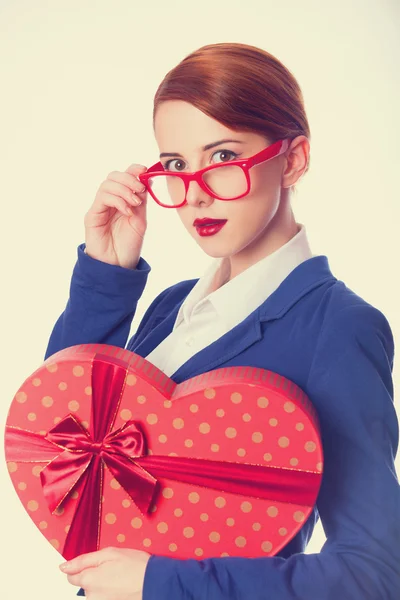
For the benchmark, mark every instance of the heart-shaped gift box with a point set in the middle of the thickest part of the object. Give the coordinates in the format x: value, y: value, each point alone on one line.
x: 104, y: 449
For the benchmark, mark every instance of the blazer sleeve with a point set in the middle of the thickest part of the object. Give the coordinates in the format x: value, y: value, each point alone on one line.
x: 350, y: 383
x: 102, y: 303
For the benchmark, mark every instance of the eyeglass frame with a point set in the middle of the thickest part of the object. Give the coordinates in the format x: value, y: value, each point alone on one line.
x: 271, y: 151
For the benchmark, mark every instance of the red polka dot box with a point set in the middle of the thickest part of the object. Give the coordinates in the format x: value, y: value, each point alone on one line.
x: 104, y: 449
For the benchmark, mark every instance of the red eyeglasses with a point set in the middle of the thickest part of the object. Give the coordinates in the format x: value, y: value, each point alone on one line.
x: 224, y: 181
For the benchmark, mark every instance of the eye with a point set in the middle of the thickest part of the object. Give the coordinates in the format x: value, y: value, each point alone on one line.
x: 181, y: 162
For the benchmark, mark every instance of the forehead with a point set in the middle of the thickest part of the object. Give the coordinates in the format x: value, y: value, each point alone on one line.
x: 179, y: 125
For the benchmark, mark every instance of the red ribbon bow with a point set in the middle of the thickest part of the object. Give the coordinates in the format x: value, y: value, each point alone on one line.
x: 74, y: 454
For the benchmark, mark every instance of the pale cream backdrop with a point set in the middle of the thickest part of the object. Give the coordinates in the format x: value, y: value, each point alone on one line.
x: 77, y: 84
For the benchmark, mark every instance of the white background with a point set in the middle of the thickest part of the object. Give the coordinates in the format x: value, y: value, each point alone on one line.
x: 77, y: 86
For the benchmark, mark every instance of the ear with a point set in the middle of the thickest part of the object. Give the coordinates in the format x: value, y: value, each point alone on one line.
x: 297, y: 161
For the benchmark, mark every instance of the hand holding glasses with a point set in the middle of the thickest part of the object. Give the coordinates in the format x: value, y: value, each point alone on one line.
x: 224, y: 181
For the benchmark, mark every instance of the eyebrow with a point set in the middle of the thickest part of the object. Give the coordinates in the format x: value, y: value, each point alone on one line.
x: 206, y: 147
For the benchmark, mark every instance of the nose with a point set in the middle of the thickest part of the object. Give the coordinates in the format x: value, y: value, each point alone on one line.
x: 195, y: 196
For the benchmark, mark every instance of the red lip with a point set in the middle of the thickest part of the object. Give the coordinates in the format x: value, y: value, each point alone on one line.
x: 206, y: 221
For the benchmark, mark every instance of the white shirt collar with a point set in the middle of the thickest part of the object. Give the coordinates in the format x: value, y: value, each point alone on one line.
x: 234, y: 300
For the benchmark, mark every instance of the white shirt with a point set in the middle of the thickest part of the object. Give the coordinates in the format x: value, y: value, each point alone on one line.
x: 214, y: 305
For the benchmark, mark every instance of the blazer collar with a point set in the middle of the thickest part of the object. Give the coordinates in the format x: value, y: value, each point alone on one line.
x: 307, y: 276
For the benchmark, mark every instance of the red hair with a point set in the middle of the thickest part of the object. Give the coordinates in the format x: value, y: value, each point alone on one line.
x: 243, y: 87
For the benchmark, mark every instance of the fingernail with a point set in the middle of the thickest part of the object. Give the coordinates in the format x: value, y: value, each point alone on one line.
x: 64, y: 566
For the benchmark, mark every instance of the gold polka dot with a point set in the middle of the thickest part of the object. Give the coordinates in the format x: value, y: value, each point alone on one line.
x: 168, y: 492
x: 263, y: 402
x: 55, y: 543
x: 126, y: 503
x: 209, y: 393
x: 167, y: 403
x: 257, y: 437
x: 199, y: 552
x: 12, y: 467
x: 136, y: 523
x: 32, y: 416
x: 214, y: 448
x: 36, y: 470
x: 59, y: 511
x: 21, y: 397
x: 266, y: 546
x: 188, y: 532
x: 236, y: 398
x: 240, y: 541
x: 146, y: 542
x: 283, y: 442
x: 36, y: 382
x: 299, y: 516
x: 162, y: 527
x: 204, y: 517
x: 224, y: 554
x: 267, y: 457
x: 273, y: 422
x: 214, y: 537
x: 299, y: 426
x: 153, y: 509
x: 310, y: 446
x: 194, y: 497
x: 141, y: 399
x: 173, y: 547
x: 85, y: 424
x: 88, y: 390
x: 125, y: 414
x: 220, y: 412
x: 56, y: 420
x: 78, y: 371
x: 32, y: 505
x: 220, y: 502
x: 152, y: 419
x: 73, y: 405
x: 67, y: 528
x: 52, y: 367
x: 204, y: 428
x: 289, y: 407
x: 42, y: 432
x: 294, y: 461
x: 169, y: 453
x: 162, y: 438
x: 62, y: 386
x: 246, y: 417
x: 230, y: 432
x: 282, y: 531
x: 319, y: 466
x: 230, y: 522
x: 47, y: 401
x: 246, y: 507
x: 178, y: 512
x: 22, y: 485
x: 256, y: 526
x: 272, y: 511
x: 120, y: 538
x: 110, y: 518
x: 74, y: 495
x: 178, y: 423
x: 103, y: 498
x: 115, y: 484
x: 131, y: 379
x: 241, y: 452
x: 193, y: 408
x: 188, y: 443
x: 43, y: 525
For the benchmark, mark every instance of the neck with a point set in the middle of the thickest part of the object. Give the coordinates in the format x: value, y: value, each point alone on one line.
x: 280, y: 230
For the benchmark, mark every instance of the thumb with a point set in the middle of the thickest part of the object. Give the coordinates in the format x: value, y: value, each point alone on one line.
x: 91, y: 559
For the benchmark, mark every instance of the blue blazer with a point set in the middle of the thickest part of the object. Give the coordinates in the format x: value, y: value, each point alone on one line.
x: 339, y: 349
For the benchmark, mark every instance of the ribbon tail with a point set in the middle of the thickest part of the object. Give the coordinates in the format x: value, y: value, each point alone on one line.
x: 61, y: 475
x: 138, y: 482
x: 84, y: 533
x: 22, y: 445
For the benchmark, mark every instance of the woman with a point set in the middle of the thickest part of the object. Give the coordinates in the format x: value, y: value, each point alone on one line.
x: 266, y: 302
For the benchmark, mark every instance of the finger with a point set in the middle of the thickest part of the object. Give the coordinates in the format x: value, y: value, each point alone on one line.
x: 111, y: 201
x: 128, y: 180
x: 118, y: 189
x: 84, y: 579
x: 83, y: 561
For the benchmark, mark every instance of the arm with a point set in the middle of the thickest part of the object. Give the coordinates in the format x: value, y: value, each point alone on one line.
x: 102, y: 303
x: 359, y: 502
